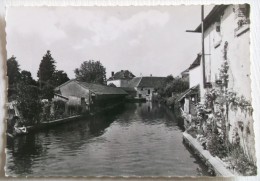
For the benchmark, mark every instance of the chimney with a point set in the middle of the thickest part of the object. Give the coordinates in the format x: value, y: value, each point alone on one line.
x: 112, y: 73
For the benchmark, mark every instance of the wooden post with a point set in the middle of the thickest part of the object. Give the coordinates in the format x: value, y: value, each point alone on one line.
x: 202, y: 45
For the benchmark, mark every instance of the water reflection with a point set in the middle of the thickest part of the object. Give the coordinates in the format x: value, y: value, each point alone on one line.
x: 135, y: 139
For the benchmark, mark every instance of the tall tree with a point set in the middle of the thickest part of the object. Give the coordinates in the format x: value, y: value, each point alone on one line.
x: 47, y: 68
x: 13, y: 71
x: 91, y: 71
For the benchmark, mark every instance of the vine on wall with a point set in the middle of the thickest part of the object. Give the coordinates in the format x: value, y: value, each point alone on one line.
x: 211, y: 125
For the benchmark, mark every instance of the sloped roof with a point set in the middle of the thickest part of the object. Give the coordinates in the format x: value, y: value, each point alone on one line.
x: 97, y: 88
x: 190, y: 91
x: 102, y: 89
x: 123, y: 74
x: 212, y: 17
x: 146, y: 81
x: 196, y: 62
x: 151, y: 81
x: 185, y: 71
x: 129, y: 89
x: 134, y: 82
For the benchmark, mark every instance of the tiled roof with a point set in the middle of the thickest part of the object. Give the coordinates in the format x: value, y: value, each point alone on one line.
x: 134, y: 82
x: 102, y: 89
x: 146, y: 81
x: 196, y: 62
x: 129, y: 89
x: 151, y: 81
x: 123, y: 74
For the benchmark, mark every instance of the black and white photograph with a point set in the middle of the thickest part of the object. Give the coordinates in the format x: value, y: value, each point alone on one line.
x: 129, y: 91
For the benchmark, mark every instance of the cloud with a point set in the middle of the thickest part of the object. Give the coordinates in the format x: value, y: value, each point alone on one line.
x: 147, y: 40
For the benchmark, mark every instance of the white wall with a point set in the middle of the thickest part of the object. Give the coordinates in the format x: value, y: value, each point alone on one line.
x: 115, y: 82
x: 144, y: 93
x: 238, y: 55
x: 196, y: 78
x: 118, y: 83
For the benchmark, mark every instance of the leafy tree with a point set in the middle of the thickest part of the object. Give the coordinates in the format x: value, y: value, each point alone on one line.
x: 169, y: 79
x: 26, y: 77
x: 176, y: 86
x: 91, y: 71
x: 47, y: 68
x: 172, y: 86
x: 13, y: 71
x: 28, y: 103
x: 59, y: 77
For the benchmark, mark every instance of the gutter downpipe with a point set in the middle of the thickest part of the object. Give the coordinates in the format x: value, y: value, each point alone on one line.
x: 202, y: 42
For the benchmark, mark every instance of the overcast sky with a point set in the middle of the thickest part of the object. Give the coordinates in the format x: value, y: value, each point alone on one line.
x: 144, y: 40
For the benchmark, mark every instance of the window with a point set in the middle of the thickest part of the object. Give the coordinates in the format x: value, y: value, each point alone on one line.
x: 148, y: 91
x: 242, y: 13
x: 217, y: 38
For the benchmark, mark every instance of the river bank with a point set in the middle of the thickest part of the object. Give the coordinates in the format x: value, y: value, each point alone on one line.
x: 215, y: 165
x: 139, y: 139
x: 52, y: 123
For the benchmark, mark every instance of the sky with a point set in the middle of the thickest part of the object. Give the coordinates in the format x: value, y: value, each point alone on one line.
x: 144, y: 40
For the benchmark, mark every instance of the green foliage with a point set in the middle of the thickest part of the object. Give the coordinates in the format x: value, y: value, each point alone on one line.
x: 59, y: 77
x: 216, y: 145
x: 91, y: 71
x: 59, y: 107
x: 240, y: 162
x: 47, y: 68
x: 49, y: 77
x: 13, y: 71
x: 172, y: 86
x: 28, y: 103
x: 26, y: 77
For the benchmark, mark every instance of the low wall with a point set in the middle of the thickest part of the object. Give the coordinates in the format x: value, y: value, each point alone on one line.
x: 51, y: 123
x: 217, y: 165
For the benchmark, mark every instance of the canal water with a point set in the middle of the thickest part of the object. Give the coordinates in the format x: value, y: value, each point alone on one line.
x: 139, y: 139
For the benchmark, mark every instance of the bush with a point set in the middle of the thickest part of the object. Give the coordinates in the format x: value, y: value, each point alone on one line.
x: 216, y: 145
x: 59, y: 108
x: 240, y: 162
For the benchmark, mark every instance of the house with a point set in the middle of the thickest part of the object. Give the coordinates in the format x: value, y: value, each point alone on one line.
x: 226, y: 38
x: 93, y: 96
x: 185, y: 75
x: 187, y: 101
x: 121, y: 78
x: 191, y: 97
x: 146, y: 86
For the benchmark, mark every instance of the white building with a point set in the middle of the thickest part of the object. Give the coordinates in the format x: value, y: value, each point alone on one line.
x: 227, y: 36
x: 120, y: 79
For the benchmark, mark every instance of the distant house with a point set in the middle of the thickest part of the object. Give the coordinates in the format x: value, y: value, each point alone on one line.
x: 92, y: 95
x: 121, y: 78
x: 191, y: 97
x: 145, y: 86
x: 185, y: 75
